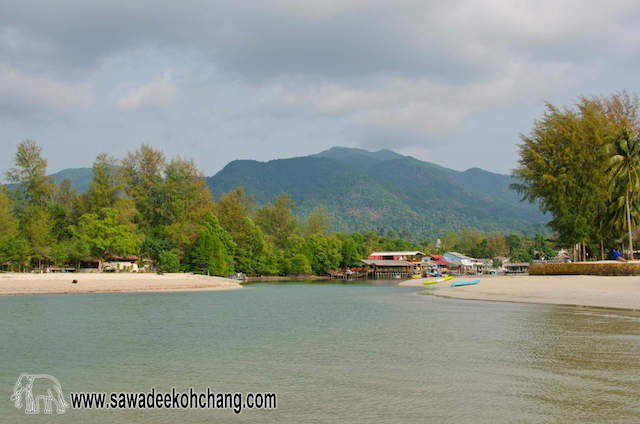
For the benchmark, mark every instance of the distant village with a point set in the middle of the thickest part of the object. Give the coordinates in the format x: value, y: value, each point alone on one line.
x: 416, y: 264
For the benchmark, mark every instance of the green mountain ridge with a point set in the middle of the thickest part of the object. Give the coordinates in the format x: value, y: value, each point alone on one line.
x: 384, y: 191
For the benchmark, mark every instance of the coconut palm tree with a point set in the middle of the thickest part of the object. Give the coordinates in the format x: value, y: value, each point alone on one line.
x: 624, y: 170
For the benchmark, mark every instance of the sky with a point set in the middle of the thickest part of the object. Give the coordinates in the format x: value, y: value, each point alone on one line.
x: 453, y: 82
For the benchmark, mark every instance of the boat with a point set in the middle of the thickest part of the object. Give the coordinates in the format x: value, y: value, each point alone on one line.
x: 465, y: 283
x: 396, y: 276
x: 439, y: 280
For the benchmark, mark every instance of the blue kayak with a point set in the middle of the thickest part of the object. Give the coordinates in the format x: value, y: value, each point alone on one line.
x: 465, y: 283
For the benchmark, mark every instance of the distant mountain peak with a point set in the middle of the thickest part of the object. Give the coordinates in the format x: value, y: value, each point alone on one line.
x: 348, y: 153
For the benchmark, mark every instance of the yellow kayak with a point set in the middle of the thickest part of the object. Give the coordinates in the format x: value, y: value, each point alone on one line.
x: 439, y: 280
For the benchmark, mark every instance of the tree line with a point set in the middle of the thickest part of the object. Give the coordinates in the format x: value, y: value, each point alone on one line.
x: 146, y: 206
x: 581, y: 164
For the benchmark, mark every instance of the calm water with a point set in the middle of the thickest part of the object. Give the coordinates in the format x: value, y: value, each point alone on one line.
x: 331, y: 352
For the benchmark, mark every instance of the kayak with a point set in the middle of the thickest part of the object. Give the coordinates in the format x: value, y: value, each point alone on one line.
x: 439, y: 280
x: 465, y: 283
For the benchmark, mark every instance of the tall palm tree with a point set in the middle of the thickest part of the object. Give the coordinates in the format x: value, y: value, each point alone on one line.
x: 624, y: 170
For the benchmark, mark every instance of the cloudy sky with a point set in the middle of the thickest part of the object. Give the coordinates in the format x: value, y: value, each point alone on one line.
x: 452, y: 82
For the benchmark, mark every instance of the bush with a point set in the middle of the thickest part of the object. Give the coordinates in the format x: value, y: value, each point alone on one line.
x: 604, y: 269
x: 168, y: 261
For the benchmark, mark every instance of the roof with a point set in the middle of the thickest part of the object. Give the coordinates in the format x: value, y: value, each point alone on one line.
x: 517, y: 264
x: 459, y: 255
x: 442, y: 262
x: 413, y: 253
x: 437, y: 256
x: 385, y: 262
x: 635, y: 235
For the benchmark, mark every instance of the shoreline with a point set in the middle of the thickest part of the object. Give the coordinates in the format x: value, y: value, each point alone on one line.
x: 566, y: 290
x: 17, y: 284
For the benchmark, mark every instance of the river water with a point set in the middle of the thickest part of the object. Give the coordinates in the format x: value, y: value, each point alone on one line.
x: 332, y: 353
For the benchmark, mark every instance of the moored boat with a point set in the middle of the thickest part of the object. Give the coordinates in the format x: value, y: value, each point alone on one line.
x: 465, y: 283
x: 439, y: 280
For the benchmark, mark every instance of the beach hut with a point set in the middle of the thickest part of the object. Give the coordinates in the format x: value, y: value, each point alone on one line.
x: 388, y: 269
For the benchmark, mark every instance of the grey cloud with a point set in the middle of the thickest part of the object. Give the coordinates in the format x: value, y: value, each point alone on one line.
x: 285, y: 76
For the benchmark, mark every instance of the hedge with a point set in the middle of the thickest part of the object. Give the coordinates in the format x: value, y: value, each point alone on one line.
x: 585, y: 268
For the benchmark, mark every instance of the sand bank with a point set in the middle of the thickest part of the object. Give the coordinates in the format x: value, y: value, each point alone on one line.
x: 16, y: 284
x: 579, y: 290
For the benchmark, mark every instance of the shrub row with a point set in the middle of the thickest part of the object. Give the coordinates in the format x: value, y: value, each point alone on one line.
x: 614, y: 268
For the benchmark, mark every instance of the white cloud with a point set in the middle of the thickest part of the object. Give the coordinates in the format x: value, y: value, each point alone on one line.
x: 155, y: 94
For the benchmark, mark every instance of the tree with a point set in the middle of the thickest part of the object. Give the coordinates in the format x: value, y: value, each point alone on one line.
x: 101, y: 232
x: 32, y: 185
x: 496, y: 245
x: 350, y: 256
x: 471, y: 238
x: 228, y: 245
x: 105, y: 187
x: 277, y: 220
x: 59, y: 253
x: 323, y: 253
x: 185, y: 196
x: 232, y: 209
x: 624, y: 171
x: 65, y: 195
x: 317, y: 223
x: 449, y: 242
x: 168, y: 261
x: 562, y: 165
x: 38, y: 230
x: 142, y: 173
x: 8, y: 223
x: 299, y: 264
x: 205, y: 256
x: 14, y: 251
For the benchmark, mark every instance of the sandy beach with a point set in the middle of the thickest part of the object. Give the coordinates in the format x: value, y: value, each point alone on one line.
x: 578, y: 290
x: 19, y: 284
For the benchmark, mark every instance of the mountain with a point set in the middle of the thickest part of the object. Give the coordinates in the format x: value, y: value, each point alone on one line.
x: 79, y: 177
x: 387, y: 192
x: 384, y: 191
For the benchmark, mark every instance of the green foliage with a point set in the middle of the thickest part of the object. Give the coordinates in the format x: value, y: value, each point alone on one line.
x: 32, y: 185
x: 205, y: 255
x: 105, y: 187
x: 228, y: 245
x: 168, y: 261
x: 450, y: 242
x: 37, y: 228
x: 299, y: 264
x: 232, y: 209
x: 563, y: 165
x: 142, y: 172
x: 350, y: 255
x: 317, y: 222
x: 185, y: 195
x: 165, y: 211
x: 624, y: 169
x: 8, y: 223
x: 59, y: 253
x: 101, y: 232
x: 14, y: 252
x: 156, y: 242
x: 392, y: 195
x: 323, y: 253
x: 542, y: 249
x: 277, y: 220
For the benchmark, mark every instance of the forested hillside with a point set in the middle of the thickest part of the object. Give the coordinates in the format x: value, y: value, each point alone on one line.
x: 386, y: 192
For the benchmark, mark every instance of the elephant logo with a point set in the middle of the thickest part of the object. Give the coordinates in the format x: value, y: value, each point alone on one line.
x: 36, y: 387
